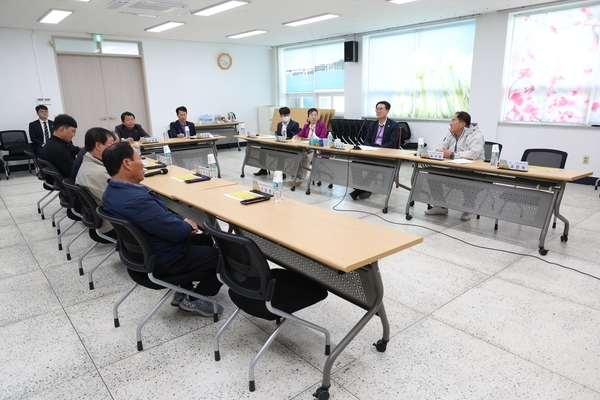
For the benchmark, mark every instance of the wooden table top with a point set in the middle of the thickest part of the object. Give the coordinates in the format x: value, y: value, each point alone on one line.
x: 181, y: 141
x: 553, y: 174
x: 169, y: 187
x: 219, y: 124
x: 345, y: 243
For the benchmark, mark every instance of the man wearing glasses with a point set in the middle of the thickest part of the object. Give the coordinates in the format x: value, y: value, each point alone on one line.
x: 40, y: 130
x: 381, y: 133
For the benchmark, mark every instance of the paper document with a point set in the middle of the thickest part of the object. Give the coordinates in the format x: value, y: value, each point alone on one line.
x: 183, y: 178
x: 243, y: 195
x: 460, y: 161
x: 368, y: 148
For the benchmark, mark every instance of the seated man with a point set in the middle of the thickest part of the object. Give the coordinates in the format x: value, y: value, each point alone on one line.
x: 173, y: 239
x: 40, y: 130
x: 129, y: 130
x: 381, y: 133
x: 291, y: 126
x: 177, y: 128
x: 462, y: 141
x: 58, y: 150
x: 92, y: 175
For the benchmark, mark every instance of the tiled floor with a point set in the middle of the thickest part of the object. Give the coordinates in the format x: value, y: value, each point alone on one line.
x: 467, y: 322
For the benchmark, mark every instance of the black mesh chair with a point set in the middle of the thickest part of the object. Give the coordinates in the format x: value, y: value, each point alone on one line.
x: 47, y: 184
x: 270, y: 294
x: 14, y: 143
x: 92, y: 222
x: 67, y: 200
x: 487, y: 150
x: 549, y: 158
x: 135, y: 252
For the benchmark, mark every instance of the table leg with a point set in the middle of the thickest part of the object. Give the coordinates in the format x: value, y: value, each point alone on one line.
x: 376, y: 307
x: 248, y: 146
x: 561, y: 191
x: 214, y: 147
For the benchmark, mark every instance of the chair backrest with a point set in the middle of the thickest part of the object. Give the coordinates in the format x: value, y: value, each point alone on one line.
x: 545, y: 157
x: 487, y: 150
x: 43, y: 166
x: 12, y: 138
x: 336, y: 128
x: 405, y: 132
x: 38, y: 171
x: 89, y: 217
x: 134, y: 249
x: 242, y: 265
x: 67, y: 200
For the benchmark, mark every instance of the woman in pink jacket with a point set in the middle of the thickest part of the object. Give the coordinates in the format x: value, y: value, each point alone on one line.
x: 314, y: 128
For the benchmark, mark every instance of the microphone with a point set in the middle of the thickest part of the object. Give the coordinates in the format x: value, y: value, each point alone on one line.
x: 161, y: 171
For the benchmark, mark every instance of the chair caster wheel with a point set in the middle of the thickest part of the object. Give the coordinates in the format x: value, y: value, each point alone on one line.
x: 543, y: 251
x: 39, y: 211
x: 564, y: 238
x: 58, y: 231
x: 43, y: 217
x: 81, y: 271
x: 554, y: 225
x: 242, y: 175
x: 69, y: 257
x: 330, y: 186
x: 319, y: 183
x: 321, y: 393
x: 429, y: 206
x: 412, y: 203
x: 293, y: 189
x: 307, y: 192
x: 91, y: 285
x: 408, y: 217
x: 384, y: 210
x: 53, y: 224
x: 381, y: 345
x: 60, y: 247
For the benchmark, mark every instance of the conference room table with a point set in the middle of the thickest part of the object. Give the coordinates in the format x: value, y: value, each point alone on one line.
x: 166, y: 186
x: 346, y: 263
x: 186, y: 152
x: 528, y: 198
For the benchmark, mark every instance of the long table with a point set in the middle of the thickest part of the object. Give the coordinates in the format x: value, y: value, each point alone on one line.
x: 527, y: 198
x: 186, y: 153
x: 225, y: 130
x: 348, y: 268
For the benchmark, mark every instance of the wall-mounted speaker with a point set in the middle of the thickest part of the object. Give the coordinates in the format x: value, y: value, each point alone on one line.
x: 351, y: 51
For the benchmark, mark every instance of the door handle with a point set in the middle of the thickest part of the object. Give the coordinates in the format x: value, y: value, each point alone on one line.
x: 103, y: 118
x: 112, y: 118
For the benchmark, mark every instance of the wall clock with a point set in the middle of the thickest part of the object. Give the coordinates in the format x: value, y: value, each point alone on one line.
x: 224, y: 60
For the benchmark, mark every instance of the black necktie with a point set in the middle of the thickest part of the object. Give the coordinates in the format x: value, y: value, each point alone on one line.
x: 46, y: 131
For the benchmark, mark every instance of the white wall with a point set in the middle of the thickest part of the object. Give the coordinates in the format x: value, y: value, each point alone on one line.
x: 487, y: 96
x: 177, y: 73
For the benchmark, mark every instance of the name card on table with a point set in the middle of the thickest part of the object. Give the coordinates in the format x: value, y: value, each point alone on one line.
x: 281, y: 139
x: 204, y: 135
x: 150, y: 140
x: 338, y: 144
x: 434, y: 155
x: 514, y: 165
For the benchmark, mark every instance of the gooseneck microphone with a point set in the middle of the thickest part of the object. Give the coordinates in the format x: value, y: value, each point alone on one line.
x: 161, y: 171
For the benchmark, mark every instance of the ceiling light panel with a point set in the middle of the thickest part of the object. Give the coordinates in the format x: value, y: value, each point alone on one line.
x: 164, y: 26
x: 310, y: 20
x: 219, y: 7
x: 246, y: 34
x: 54, y: 16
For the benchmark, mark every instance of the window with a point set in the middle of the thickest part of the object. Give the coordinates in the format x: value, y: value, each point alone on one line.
x: 77, y: 45
x: 314, y: 76
x: 424, y: 73
x: 553, y: 67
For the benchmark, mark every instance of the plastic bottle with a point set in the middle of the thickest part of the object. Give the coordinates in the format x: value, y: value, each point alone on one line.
x: 212, y: 165
x: 283, y: 133
x: 167, y: 151
x: 187, y: 132
x: 278, y: 186
x: 329, y: 139
x: 136, y: 147
x: 420, y: 147
x: 495, y: 157
x: 165, y: 136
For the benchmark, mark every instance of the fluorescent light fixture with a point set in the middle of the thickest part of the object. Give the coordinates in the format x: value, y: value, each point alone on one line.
x: 86, y: 1
x: 310, y: 20
x: 139, y: 14
x: 400, y: 1
x: 246, y: 34
x: 164, y: 26
x: 219, y: 7
x: 54, y: 16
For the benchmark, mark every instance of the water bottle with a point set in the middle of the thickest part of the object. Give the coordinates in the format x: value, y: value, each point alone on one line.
x: 212, y: 166
x: 278, y: 186
x: 165, y: 136
x: 187, y: 132
x: 136, y: 147
x: 329, y: 139
x: 495, y: 157
x: 283, y: 133
x: 167, y: 151
x: 420, y: 147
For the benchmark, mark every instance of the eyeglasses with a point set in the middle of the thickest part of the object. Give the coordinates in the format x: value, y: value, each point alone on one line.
x: 380, y: 109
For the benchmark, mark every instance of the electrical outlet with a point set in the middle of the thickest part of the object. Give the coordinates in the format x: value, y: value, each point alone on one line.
x: 586, y: 159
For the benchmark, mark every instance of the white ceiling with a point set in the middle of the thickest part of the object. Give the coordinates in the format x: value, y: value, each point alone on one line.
x: 357, y: 16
